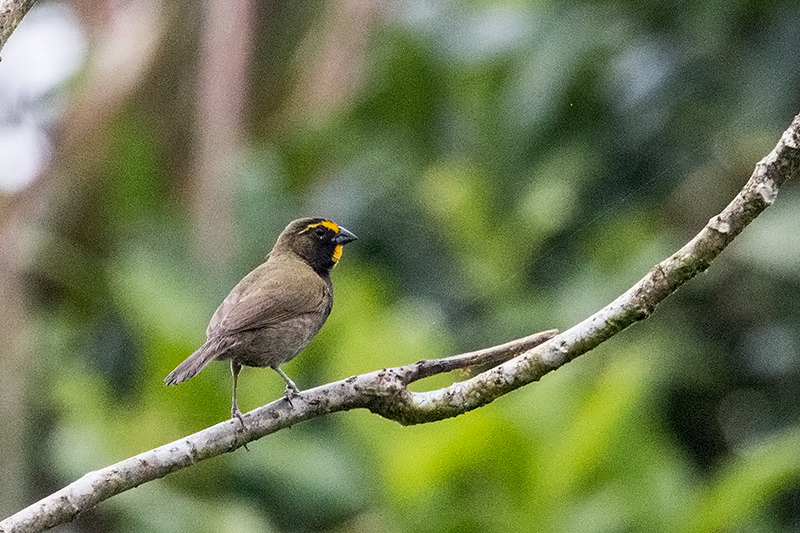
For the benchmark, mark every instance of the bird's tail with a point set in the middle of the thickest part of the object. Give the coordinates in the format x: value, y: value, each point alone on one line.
x: 193, y: 364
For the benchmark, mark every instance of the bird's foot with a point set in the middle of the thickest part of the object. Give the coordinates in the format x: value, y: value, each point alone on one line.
x: 291, y: 388
x: 291, y: 392
x: 237, y: 414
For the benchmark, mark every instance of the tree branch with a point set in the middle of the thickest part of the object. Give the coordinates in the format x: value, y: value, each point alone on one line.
x: 11, y: 13
x: 385, y: 392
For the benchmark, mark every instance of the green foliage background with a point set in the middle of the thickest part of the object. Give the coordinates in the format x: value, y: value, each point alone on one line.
x: 508, y: 167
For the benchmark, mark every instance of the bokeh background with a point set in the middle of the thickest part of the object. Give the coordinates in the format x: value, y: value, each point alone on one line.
x: 508, y: 166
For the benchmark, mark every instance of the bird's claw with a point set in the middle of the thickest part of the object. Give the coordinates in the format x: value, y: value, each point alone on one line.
x: 291, y: 392
x: 237, y: 414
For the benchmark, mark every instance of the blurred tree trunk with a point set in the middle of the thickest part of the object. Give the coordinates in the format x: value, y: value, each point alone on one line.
x: 224, y: 58
x: 14, y: 323
x: 334, y: 67
x: 79, y: 145
x: 14, y: 328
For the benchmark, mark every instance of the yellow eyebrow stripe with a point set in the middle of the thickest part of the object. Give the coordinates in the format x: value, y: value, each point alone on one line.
x: 327, y: 223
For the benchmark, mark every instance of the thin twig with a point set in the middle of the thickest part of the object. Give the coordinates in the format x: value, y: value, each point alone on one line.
x: 11, y: 13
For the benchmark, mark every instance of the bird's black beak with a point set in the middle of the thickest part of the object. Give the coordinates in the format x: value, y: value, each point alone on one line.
x: 344, y: 236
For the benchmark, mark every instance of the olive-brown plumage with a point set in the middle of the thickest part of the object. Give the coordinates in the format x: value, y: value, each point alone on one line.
x: 275, y: 310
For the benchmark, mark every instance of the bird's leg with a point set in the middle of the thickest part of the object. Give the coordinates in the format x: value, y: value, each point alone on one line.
x: 235, y: 412
x: 291, y: 388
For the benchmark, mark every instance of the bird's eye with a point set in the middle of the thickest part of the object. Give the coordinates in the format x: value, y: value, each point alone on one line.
x: 319, y: 231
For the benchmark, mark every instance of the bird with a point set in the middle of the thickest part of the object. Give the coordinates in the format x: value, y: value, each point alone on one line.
x: 274, y: 311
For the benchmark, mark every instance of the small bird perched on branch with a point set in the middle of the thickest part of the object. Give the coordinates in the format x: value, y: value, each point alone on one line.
x: 274, y: 311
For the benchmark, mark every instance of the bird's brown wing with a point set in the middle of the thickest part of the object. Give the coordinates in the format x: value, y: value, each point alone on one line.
x: 269, y: 296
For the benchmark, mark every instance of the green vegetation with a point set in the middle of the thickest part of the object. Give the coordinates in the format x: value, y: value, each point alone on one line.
x: 508, y: 167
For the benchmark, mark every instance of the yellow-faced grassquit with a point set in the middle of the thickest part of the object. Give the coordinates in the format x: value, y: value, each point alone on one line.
x: 275, y: 310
